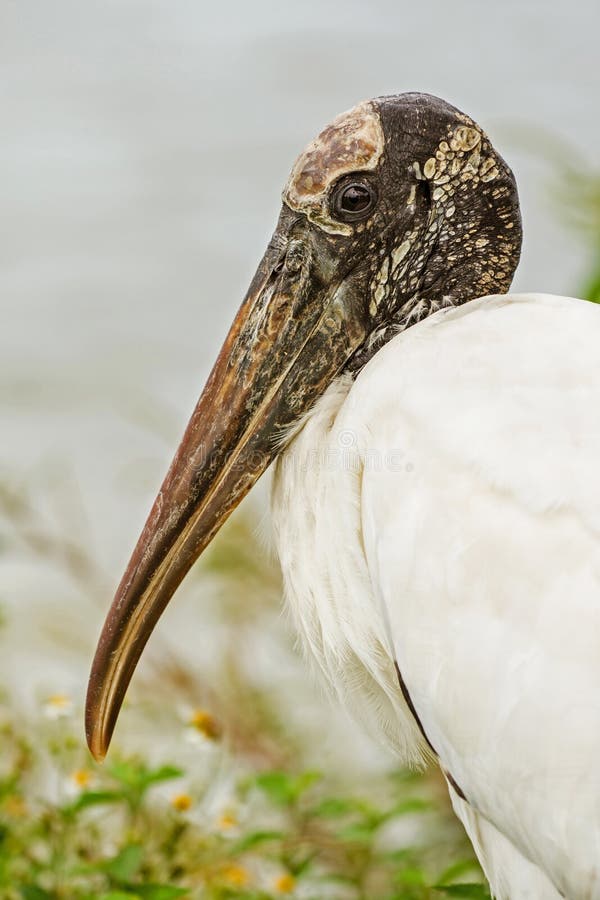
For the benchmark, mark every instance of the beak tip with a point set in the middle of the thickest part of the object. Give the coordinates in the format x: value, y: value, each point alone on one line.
x: 97, y: 733
x: 97, y: 756
x: 96, y: 742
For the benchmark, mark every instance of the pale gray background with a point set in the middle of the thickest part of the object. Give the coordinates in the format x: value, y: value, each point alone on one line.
x: 144, y: 145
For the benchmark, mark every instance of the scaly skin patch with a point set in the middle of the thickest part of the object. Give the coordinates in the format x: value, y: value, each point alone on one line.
x: 464, y: 156
x: 353, y: 142
x: 464, y: 164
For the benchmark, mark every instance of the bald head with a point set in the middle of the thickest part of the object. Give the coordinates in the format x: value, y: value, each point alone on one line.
x: 353, y: 142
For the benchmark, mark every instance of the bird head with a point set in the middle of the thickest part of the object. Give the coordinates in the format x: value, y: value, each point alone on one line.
x: 398, y: 208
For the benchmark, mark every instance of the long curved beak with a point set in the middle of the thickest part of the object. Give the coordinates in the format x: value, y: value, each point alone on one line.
x: 296, y: 328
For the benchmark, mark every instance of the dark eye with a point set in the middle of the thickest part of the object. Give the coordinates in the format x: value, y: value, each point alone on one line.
x: 353, y: 200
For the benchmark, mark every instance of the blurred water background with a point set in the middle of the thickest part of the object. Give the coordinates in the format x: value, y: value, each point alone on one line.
x: 144, y: 147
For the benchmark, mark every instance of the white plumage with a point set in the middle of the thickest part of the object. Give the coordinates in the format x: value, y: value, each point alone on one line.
x: 443, y: 510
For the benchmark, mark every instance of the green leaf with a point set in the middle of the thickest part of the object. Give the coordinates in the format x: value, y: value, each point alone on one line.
x: 299, y: 866
x: 126, y: 771
x: 413, y: 876
x: 306, y: 781
x: 473, y: 891
x: 31, y: 892
x: 591, y: 290
x: 120, y: 895
x: 284, y: 789
x: 412, y: 805
x: 8, y: 785
x: 358, y: 832
x: 457, y: 869
x: 335, y: 807
x: 125, y: 864
x: 160, y: 891
x: 135, y: 774
x: 93, y: 798
x: 254, y: 839
x: 163, y: 773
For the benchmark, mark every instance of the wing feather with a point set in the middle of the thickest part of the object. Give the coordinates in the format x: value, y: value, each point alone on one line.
x: 482, y: 533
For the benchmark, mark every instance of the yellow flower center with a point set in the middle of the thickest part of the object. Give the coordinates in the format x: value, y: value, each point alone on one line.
x: 236, y: 876
x: 181, y: 802
x: 227, y: 820
x: 59, y: 701
x: 285, y: 884
x: 81, y: 777
x: 206, y: 724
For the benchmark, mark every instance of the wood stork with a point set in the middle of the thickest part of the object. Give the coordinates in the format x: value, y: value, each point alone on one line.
x: 436, y: 496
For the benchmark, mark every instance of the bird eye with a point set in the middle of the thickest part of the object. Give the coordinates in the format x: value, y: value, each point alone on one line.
x: 353, y: 200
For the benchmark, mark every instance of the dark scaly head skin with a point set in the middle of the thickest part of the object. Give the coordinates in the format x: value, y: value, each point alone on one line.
x: 398, y: 208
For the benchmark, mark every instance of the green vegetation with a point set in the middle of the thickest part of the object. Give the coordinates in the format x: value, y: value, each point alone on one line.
x: 108, y: 833
x: 578, y: 198
x: 573, y: 191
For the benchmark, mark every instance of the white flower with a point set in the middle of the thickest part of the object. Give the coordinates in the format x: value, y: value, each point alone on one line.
x: 58, y: 706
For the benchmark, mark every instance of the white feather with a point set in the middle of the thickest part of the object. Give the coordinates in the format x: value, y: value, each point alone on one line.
x: 445, y: 509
